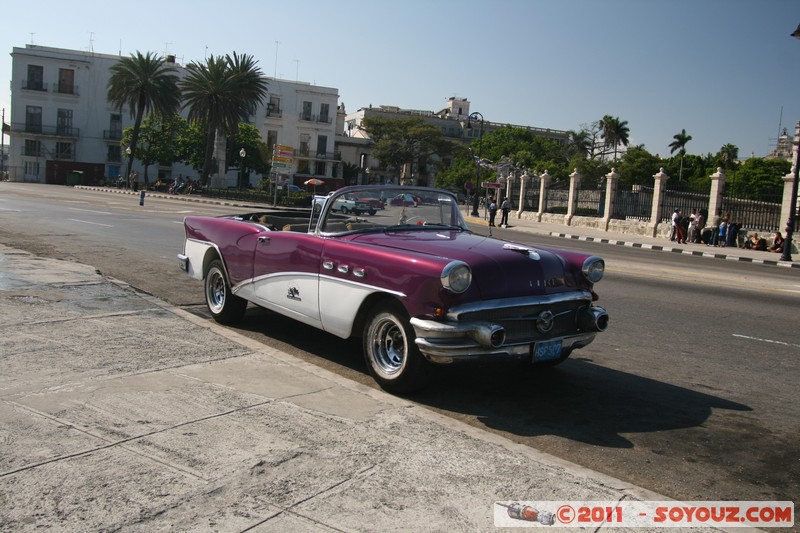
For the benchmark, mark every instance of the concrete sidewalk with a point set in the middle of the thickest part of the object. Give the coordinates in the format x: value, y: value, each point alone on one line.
x: 120, y: 412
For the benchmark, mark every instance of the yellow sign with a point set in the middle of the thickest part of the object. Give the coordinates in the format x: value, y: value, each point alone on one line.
x: 279, y: 159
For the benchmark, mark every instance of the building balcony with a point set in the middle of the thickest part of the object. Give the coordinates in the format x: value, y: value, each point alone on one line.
x: 112, y: 135
x: 320, y: 119
x: 45, y: 131
x: 34, y: 85
x: 64, y: 88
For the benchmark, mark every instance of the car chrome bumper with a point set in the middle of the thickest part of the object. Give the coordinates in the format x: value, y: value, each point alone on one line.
x: 452, y: 341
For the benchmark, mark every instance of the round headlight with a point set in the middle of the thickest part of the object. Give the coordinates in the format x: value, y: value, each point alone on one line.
x: 456, y: 276
x: 593, y: 269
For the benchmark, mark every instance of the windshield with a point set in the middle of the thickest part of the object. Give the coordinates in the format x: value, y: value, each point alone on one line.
x: 389, y: 208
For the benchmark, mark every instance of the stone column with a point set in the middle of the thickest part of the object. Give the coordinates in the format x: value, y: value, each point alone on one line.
x: 523, y: 184
x: 786, y: 202
x: 574, y: 184
x: 612, y: 180
x: 544, y: 186
x: 718, y: 179
x: 658, y: 192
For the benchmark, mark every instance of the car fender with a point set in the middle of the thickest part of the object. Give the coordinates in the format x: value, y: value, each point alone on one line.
x: 196, y: 257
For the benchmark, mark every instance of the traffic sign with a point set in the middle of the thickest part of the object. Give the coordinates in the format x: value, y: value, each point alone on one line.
x: 282, y: 148
x: 281, y: 165
x: 279, y: 159
x: 491, y: 185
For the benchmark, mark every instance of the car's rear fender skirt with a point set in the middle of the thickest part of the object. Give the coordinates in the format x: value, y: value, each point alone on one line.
x: 197, y: 255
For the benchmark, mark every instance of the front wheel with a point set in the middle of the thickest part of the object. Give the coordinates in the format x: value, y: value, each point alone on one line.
x: 225, y: 307
x: 391, y: 354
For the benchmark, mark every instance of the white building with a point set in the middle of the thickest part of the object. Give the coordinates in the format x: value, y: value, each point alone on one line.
x: 61, y: 121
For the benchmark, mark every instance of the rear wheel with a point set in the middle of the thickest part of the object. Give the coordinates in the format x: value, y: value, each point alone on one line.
x: 391, y: 354
x: 225, y: 307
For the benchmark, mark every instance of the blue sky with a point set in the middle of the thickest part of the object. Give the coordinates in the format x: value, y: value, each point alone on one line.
x: 727, y: 71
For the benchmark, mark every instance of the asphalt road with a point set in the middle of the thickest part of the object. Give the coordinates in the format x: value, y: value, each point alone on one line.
x: 691, y: 392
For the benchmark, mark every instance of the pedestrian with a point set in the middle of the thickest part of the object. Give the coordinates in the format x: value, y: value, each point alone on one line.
x: 492, y: 210
x: 673, y: 225
x: 505, y: 207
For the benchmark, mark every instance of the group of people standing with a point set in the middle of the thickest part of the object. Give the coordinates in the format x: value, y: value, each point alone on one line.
x: 687, y: 229
x: 505, y: 208
x: 723, y: 231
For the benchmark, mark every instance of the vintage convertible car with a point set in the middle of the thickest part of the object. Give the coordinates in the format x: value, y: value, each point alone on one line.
x: 413, y: 282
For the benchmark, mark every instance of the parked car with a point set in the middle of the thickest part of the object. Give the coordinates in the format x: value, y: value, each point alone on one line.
x: 416, y: 285
x: 345, y: 204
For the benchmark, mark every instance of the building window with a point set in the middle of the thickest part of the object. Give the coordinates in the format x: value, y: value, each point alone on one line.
x: 115, y: 126
x: 324, y: 111
x: 304, y: 150
x: 33, y: 119
x: 33, y: 148
x: 114, y: 154
x: 322, y: 145
x: 66, y: 81
x: 31, y: 168
x: 320, y: 170
x: 64, y: 122
x: 306, y: 111
x: 272, y: 138
x: 302, y: 166
x: 35, y: 81
x: 63, y: 150
x: 274, y: 106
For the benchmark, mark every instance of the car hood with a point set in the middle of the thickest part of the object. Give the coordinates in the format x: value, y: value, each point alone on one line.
x: 500, y: 269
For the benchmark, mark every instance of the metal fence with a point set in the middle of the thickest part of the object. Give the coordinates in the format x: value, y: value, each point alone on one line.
x: 590, y: 202
x: 756, y: 215
x: 532, y: 194
x: 633, y: 202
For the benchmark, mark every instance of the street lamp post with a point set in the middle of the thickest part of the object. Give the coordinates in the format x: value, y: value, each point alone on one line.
x: 242, y: 153
x: 787, y: 243
x: 476, y: 188
x: 128, y: 152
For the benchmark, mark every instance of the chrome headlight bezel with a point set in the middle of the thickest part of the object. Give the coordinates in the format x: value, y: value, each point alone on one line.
x: 593, y: 269
x: 456, y: 276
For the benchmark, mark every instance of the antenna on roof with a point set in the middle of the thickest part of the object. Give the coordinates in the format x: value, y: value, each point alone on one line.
x: 276, y: 57
x: 32, y: 34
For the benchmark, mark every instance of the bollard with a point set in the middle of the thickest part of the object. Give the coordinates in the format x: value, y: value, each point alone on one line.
x: 141, y: 197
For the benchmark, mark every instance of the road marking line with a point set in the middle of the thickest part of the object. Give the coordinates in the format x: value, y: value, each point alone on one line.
x: 90, y: 211
x: 93, y: 223
x: 767, y: 340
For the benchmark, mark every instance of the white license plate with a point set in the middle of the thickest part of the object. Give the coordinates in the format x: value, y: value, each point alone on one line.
x: 546, y: 351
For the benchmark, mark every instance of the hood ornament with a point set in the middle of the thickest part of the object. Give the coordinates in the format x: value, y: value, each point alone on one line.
x: 530, y: 252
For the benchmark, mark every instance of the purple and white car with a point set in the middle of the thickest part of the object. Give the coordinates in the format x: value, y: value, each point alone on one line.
x: 413, y: 282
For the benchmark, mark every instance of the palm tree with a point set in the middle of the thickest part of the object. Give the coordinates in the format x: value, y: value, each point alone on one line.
x: 728, y: 155
x: 219, y: 94
x: 680, y: 144
x: 578, y: 142
x: 615, y: 132
x: 145, y: 83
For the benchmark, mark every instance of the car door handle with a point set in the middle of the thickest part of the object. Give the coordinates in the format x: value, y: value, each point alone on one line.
x: 263, y: 238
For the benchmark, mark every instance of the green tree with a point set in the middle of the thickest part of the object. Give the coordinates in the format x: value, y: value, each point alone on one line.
x: 758, y: 179
x: 727, y: 156
x: 615, y: 132
x: 258, y: 155
x: 145, y: 83
x: 158, y: 140
x: 219, y: 94
x: 408, y: 141
x: 679, y: 145
x: 637, y: 165
x: 578, y: 143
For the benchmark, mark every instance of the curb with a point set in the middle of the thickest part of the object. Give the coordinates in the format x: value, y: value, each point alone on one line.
x: 660, y: 248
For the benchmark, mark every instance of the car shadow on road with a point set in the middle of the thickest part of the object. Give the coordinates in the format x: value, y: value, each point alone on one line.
x: 577, y: 400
